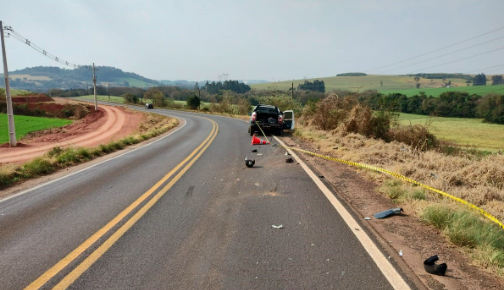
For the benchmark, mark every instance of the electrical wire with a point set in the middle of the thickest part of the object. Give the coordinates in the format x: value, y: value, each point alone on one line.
x: 427, y: 53
x: 442, y: 55
x: 486, y: 52
x: 24, y: 40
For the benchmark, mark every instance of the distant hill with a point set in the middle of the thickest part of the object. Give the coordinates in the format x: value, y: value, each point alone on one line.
x: 43, y: 78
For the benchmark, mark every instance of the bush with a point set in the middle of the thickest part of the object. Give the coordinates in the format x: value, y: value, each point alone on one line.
x: 130, y: 98
x: 416, y: 136
x: 193, y: 102
x: 36, y: 167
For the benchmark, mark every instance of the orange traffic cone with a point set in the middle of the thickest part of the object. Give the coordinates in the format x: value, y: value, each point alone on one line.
x: 258, y: 141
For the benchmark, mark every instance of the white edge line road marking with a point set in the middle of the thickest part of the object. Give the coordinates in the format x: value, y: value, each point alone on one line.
x: 382, y: 263
x: 87, y: 168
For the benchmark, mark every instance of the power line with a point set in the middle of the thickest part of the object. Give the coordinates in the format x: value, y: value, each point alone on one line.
x: 458, y: 59
x: 486, y: 68
x: 437, y: 49
x: 24, y: 40
x: 443, y: 54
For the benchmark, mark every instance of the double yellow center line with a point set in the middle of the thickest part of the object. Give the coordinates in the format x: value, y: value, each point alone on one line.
x: 96, y: 254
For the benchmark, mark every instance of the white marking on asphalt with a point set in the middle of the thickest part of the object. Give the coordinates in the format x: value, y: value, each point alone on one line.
x: 87, y: 168
x: 383, y: 264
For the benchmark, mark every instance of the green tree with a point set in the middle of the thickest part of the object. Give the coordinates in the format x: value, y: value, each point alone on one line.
x: 193, y: 102
x: 479, y: 80
x: 156, y: 96
x: 497, y: 80
x: 417, y: 78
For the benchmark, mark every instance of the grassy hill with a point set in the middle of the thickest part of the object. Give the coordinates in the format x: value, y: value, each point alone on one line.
x: 391, y: 83
x: 44, y: 78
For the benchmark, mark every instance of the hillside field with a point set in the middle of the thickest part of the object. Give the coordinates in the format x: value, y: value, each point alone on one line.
x: 27, y: 124
x: 391, y: 84
x: 479, y: 90
x: 465, y: 132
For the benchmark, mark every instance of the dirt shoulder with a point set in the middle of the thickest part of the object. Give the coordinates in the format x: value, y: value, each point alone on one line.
x: 107, y: 124
x: 405, y: 233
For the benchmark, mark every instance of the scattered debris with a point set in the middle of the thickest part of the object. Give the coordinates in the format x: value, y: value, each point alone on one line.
x: 259, y: 154
x: 289, y: 160
x: 277, y: 227
x: 400, y: 253
x: 321, y: 176
x: 388, y: 212
x: 367, y: 218
x: 257, y: 184
x: 253, y: 150
x: 431, y: 267
x: 434, y: 175
x: 287, y: 153
x: 249, y: 163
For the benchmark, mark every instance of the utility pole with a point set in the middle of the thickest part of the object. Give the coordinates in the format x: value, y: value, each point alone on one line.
x: 108, y: 91
x: 94, y: 85
x: 199, y: 97
x: 8, y: 99
x: 292, y: 90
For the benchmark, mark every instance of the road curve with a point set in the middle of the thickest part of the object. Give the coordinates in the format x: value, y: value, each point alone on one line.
x: 198, y: 219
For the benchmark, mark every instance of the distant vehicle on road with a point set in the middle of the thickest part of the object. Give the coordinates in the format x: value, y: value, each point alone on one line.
x: 270, y: 118
x: 149, y: 106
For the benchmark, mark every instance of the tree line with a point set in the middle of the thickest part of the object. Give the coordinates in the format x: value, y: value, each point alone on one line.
x: 448, y: 104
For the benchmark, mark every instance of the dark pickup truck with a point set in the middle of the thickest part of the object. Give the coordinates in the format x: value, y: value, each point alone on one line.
x: 270, y: 118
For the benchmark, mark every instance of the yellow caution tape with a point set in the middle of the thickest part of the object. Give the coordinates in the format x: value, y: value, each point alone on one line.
x: 378, y: 169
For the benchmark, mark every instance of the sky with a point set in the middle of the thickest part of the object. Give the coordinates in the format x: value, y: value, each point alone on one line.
x: 270, y: 40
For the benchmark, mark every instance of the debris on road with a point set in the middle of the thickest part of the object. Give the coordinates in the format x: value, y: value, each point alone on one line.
x: 367, y: 218
x: 287, y: 153
x: 277, y: 227
x: 249, y: 163
x: 431, y: 267
x: 321, y: 176
x: 289, y: 160
x: 253, y: 150
x: 400, y: 253
x: 259, y: 154
x: 388, y: 212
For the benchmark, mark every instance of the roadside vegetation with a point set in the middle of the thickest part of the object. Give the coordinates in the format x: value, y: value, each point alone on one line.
x: 27, y: 124
x: 348, y: 130
x: 58, y: 157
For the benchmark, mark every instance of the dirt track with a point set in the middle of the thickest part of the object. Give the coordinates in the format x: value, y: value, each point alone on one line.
x: 100, y: 127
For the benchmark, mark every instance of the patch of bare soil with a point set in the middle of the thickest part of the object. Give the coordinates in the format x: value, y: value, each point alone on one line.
x: 407, y: 233
x: 98, y: 127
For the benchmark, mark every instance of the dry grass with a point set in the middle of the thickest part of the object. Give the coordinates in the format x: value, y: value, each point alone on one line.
x: 477, y: 180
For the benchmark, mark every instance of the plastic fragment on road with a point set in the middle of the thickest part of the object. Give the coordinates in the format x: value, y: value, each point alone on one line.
x: 431, y: 267
x: 400, y: 253
x: 277, y: 227
x: 388, y: 212
x: 287, y: 153
x: 289, y: 160
x: 367, y: 218
x: 249, y: 162
x: 253, y: 150
x: 259, y: 154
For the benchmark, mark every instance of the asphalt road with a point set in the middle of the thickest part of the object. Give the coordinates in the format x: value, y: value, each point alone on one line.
x: 208, y: 225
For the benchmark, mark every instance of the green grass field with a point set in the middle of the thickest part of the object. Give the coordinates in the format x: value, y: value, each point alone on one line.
x: 391, y: 84
x: 27, y: 124
x: 465, y: 132
x: 479, y: 90
x: 362, y: 83
x: 135, y: 83
x: 15, y: 92
x: 113, y: 99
